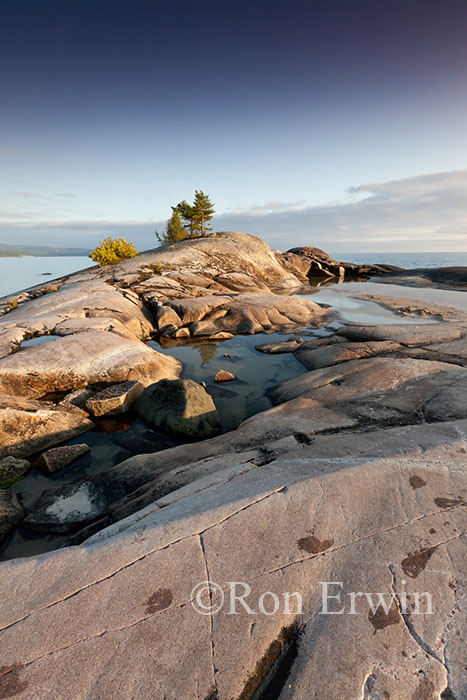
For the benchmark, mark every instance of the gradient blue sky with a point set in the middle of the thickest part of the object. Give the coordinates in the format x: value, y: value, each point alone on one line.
x: 332, y: 123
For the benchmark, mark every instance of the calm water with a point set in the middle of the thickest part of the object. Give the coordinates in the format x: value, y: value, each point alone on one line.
x: 407, y: 260
x: 19, y: 273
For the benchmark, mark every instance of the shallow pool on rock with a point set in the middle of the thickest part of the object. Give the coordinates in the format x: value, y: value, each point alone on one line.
x: 254, y: 372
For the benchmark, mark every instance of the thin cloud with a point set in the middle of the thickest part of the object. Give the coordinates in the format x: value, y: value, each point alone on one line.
x: 424, y: 211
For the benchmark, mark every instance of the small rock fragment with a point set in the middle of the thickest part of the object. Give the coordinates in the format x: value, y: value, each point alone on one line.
x: 114, y: 399
x: 224, y: 376
x: 59, y: 457
x: 12, y: 467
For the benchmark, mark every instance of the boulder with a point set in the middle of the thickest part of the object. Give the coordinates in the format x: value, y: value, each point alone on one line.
x: 28, y: 426
x: 11, y: 513
x: 81, y: 359
x: 180, y: 407
x: 11, y: 468
x: 114, y: 399
x: 379, y: 512
x: 59, y: 457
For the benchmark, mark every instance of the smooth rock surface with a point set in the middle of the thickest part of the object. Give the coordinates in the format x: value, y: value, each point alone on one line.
x: 371, y: 511
x: 384, y: 390
x: 85, y: 358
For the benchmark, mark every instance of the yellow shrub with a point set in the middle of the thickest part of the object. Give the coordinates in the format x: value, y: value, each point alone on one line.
x: 112, y: 251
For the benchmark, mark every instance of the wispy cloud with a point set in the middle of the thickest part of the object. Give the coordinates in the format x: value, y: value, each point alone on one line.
x: 426, y: 212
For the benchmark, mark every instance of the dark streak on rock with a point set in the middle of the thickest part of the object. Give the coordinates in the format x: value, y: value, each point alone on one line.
x: 416, y: 481
x: 10, y: 681
x: 414, y: 563
x: 380, y: 619
x: 160, y: 600
x: 449, y: 502
x: 313, y: 545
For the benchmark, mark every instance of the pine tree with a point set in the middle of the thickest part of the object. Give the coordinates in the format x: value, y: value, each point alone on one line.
x: 187, y: 212
x: 203, y: 211
x: 174, y: 230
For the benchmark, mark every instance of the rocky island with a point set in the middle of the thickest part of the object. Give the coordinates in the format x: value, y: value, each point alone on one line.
x: 352, y: 481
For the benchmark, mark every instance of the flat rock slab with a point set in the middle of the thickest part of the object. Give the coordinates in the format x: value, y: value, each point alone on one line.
x: 281, y: 346
x: 114, y: 399
x: 85, y: 358
x: 114, y: 618
x: 384, y: 390
x: 25, y: 432
x: 406, y: 334
x: 316, y: 358
x: 59, y: 457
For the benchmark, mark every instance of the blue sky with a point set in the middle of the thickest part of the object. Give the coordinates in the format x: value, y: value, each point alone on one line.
x: 324, y: 123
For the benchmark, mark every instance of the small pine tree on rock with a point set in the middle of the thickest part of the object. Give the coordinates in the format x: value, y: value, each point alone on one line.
x: 174, y: 230
x: 203, y: 212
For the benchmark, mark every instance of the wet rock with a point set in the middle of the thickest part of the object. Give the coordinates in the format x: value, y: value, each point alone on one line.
x: 11, y: 468
x: 11, y: 512
x: 81, y: 359
x: 66, y: 508
x: 28, y: 426
x: 281, y: 346
x: 114, y: 399
x: 180, y: 407
x: 59, y: 457
x: 223, y: 376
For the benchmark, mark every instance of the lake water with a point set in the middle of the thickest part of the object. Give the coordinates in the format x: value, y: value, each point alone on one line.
x: 20, y: 273
x: 407, y: 260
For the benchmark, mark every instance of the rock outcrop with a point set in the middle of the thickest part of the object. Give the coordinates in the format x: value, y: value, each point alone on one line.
x: 355, y: 479
x: 380, y: 512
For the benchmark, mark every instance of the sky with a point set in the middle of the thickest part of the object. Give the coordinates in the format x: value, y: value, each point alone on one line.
x: 308, y: 122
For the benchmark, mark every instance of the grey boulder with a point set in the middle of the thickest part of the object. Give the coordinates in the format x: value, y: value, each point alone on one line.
x: 180, y: 407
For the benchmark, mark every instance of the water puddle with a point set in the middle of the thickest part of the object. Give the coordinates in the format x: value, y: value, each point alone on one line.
x: 40, y: 340
x: 254, y: 372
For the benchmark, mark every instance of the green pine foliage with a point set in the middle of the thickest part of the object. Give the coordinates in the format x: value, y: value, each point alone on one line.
x: 203, y: 212
x: 112, y: 251
x: 188, y: 220
x: 174, y: 230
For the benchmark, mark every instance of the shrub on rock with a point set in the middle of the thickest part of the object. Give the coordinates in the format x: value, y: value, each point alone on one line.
x: 112, y: 251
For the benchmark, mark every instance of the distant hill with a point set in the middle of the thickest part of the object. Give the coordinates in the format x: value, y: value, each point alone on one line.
x: 16, y: 251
